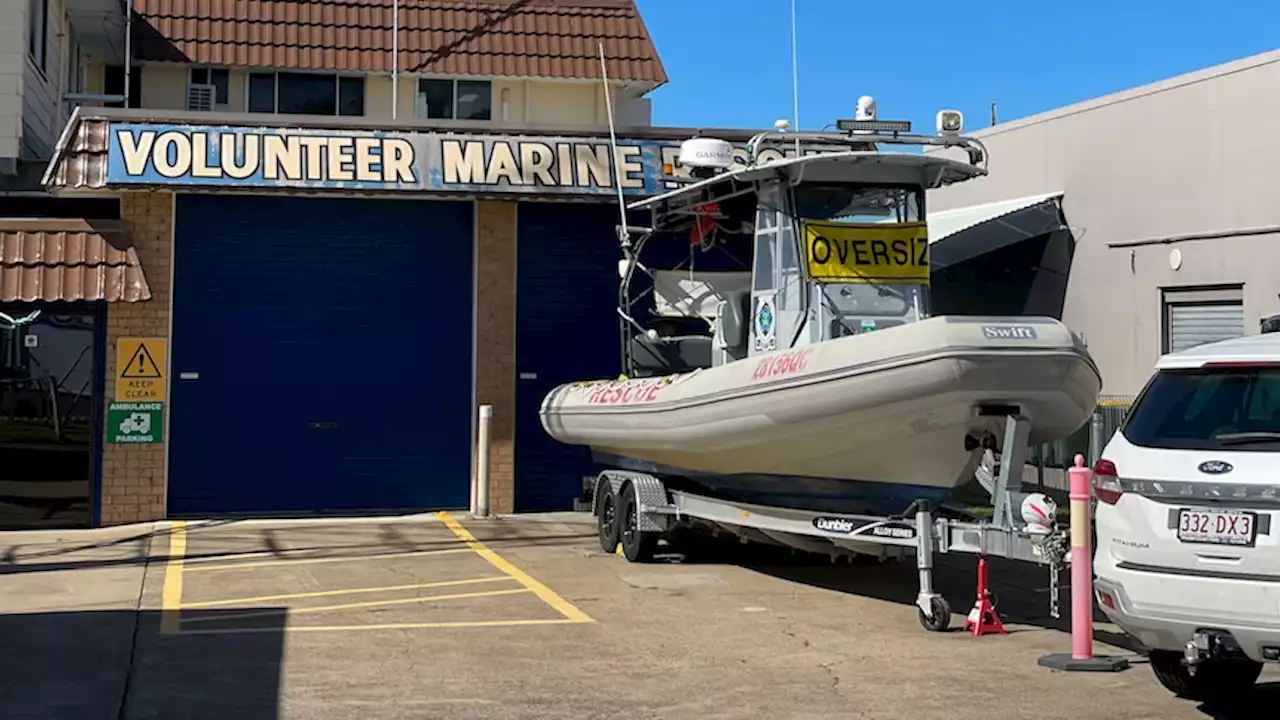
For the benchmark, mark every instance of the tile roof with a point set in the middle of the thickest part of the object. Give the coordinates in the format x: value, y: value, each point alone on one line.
x: 514, y: 38
x: 61, y: 259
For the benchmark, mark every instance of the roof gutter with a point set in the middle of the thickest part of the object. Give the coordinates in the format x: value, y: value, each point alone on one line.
x: 202, y: 118
x: 1211, y: 235
x: 73, y: 124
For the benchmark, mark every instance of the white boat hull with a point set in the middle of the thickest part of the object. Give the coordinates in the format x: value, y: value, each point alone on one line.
x: 894, y: 406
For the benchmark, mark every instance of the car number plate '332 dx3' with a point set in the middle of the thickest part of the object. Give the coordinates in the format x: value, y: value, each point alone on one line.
x: 1217, y: 527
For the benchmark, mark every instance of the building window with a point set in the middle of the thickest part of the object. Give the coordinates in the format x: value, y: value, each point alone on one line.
x: 113, y: 84
x: 75, y: 63
x: 38, y: 33
x: 208, y: 89
x: 1198, y: 315
x: 297, y: 93
x: 454, y: 99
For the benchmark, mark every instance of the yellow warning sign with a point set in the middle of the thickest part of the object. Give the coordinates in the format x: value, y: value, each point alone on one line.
x: 140, y: 369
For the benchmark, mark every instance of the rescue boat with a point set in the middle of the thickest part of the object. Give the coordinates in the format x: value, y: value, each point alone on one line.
x: 791, y: 359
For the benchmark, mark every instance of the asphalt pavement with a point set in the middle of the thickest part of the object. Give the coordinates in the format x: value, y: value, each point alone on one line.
x: 440, y: 616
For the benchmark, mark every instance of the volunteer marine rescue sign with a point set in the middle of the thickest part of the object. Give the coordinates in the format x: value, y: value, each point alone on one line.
x: 227, y: 156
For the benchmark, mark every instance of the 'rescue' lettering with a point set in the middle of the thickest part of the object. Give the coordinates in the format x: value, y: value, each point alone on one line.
x: 626, y: 393
x: 788, y: 363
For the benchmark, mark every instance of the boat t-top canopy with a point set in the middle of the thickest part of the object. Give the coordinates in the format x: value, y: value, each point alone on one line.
x: 854, y: 166
x: 817, y: 235
x: 850, y: 155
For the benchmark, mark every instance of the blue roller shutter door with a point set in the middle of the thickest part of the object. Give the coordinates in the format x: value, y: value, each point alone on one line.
x: 326, y: 349
x: 566, y: 330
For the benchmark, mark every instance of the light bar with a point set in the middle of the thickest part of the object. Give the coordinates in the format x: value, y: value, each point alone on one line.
x: 875, y: 125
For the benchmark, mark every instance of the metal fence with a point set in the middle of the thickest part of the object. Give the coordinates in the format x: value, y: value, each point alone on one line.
x: 1049, y: 462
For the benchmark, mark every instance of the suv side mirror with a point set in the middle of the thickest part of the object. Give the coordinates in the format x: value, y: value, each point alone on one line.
x: 1271, y: 324
x: 731, y: 321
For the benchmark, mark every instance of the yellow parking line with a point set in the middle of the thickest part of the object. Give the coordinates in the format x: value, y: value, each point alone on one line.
x: 281, y: 612
x: 208, y: 566
x: 388, y: 626
x: 275, y: 554
x: 331, y: 593
x: 544, y: 593
x: 171, y: 594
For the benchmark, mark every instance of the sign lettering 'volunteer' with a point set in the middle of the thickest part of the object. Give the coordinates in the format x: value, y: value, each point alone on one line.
x: 874, y: 253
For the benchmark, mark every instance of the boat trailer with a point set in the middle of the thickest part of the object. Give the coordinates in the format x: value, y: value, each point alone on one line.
x: 634, y: 510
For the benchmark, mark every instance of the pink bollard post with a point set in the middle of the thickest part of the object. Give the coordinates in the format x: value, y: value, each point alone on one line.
x: 1081, y: 656
x: 1081, y: 561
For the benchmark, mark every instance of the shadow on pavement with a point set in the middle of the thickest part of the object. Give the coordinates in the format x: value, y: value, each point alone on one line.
x: 1021, y: 589
x: 113, y: 665
x: 1249, y: 706
x: 383, y: 540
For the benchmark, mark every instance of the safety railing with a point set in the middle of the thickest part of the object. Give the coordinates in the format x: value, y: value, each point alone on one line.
x: 1047, y: 468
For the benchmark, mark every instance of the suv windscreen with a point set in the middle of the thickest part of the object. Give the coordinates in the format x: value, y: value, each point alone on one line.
x: 1222, y: 408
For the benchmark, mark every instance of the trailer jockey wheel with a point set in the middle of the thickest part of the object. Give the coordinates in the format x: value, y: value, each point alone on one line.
x: 637, y: 546
x: 607, y: 518
x: 941, y: 619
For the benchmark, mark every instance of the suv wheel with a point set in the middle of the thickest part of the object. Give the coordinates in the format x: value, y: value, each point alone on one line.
x: 1214, y: 679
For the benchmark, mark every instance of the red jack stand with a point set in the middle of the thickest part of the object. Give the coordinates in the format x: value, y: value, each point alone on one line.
x: 983, y: 618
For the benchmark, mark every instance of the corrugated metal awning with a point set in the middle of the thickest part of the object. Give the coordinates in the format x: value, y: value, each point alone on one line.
x: 51, y: 259
x: 963, y: 233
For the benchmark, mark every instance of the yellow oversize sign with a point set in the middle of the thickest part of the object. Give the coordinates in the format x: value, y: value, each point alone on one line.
x: 876, y: 253
x: 140, y: 369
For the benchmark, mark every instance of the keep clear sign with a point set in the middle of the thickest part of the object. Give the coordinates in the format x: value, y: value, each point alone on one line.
x: 875, y: 253
x: 140, y: 369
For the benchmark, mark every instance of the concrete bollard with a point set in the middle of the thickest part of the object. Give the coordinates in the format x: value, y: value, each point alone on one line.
x: 481, y: 490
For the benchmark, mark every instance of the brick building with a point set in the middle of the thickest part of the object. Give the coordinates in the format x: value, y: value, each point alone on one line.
x: 305, y: 240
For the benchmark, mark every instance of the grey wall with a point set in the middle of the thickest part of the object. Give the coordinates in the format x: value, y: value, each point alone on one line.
x: 1195, y: 154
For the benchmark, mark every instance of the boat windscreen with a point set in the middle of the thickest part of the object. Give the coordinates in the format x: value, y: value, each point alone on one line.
x: 889, y: 301
x: 874, y: 286
x: 857, y: 203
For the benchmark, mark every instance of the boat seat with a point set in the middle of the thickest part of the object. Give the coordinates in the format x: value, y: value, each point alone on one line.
x: 667, y: 355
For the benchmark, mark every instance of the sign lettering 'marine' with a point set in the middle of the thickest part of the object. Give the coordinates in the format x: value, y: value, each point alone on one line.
x: 537, y: 163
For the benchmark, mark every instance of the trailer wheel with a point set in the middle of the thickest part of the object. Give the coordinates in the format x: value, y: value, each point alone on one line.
x: 607, y: 518
x: 941, y: 619
x: 637, y: 546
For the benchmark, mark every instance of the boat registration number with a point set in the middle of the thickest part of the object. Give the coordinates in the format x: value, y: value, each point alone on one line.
x: 1217, y: 527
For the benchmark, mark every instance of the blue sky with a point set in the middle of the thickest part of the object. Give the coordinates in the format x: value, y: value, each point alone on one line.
x: 730, y: 60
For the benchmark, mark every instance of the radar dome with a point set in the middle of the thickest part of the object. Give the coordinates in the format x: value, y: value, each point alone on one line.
x: 706, y: 154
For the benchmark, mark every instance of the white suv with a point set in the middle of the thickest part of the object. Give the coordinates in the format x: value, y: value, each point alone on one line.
x: 1188, y: 517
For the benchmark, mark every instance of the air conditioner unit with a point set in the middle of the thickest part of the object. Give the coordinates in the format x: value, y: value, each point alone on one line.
x: 201, y: 97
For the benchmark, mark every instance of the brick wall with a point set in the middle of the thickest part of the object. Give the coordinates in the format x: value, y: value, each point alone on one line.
x: 133, y: 479
x: 495, y: 342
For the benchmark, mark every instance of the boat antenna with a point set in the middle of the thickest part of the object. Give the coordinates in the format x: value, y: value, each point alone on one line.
x: 795, y: 77
x: 624, y: 236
